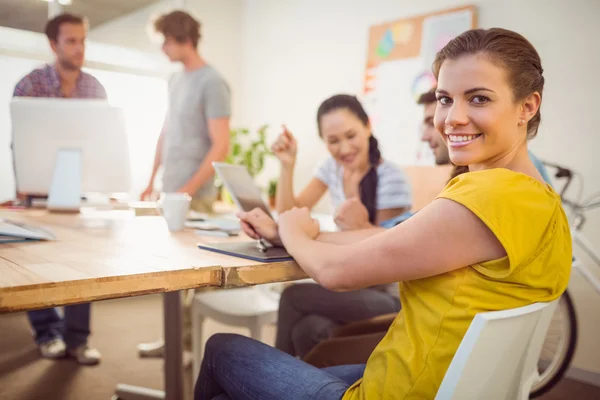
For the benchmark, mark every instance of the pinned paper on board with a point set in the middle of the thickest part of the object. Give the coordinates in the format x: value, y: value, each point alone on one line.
x: 438, y: 30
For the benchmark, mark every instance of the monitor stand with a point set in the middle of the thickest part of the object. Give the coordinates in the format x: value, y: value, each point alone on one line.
x: 65, y: 189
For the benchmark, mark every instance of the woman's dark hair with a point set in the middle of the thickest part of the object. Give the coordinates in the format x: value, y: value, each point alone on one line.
x: 368, y: 184
x: 508, y: 49
x: 458, y: 170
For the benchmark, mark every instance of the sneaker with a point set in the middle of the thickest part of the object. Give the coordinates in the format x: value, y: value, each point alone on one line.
x: 153, y: 349
x: 53, y: 349
x: 85, y: 355
x: 157, y: 350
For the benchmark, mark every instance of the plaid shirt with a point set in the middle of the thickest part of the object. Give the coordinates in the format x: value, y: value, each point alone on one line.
x: 45, y: 82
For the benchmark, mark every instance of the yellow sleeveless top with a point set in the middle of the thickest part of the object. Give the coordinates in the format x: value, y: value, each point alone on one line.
x: 527, y: 218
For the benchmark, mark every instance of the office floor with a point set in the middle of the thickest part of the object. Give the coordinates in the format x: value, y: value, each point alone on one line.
x: 119, y: 325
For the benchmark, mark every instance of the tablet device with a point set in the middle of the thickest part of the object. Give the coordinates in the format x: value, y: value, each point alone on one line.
x: 242, y: 188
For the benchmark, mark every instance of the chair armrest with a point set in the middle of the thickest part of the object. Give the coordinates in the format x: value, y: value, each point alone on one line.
x: 344, y: 350
x: 380, y: 323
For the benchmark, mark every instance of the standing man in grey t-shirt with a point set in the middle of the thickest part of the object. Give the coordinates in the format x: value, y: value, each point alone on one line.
x: 196, y: 129
x: 195, y: 132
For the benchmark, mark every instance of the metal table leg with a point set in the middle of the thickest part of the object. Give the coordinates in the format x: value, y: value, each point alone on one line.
x: 173, y: 346
x: 172, y: 320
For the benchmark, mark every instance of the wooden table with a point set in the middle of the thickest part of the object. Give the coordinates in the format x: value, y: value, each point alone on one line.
x: 110, y: 254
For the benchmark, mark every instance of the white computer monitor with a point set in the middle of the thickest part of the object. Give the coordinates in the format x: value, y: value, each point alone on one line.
x: 62, y: 146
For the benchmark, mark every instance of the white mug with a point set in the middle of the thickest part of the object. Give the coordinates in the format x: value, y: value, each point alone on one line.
x: 174, y: 207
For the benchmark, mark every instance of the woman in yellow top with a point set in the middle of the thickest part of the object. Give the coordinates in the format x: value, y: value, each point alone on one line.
x: 495, y: 238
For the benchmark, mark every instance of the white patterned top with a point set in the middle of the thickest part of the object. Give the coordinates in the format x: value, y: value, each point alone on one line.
x: 393, y: 189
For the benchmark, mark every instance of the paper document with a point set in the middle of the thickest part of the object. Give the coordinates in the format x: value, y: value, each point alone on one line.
x: 11, y: 239
x: 24, y: 231
x: 204, y: 232
x: 220, y: 224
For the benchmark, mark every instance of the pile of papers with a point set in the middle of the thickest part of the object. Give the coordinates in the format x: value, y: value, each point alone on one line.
x: 13, y: 231
x: 221, y: 227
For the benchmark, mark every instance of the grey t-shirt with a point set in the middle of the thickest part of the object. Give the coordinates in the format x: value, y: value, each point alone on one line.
x: 195, y: 97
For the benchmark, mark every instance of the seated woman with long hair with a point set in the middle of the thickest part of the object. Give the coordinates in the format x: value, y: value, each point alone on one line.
x: 495, y: 238
x: 365, y: 190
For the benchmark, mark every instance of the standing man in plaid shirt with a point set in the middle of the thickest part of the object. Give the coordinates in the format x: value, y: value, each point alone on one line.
x: 58, y: 337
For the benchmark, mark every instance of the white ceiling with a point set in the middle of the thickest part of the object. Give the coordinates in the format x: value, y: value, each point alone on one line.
x: 31, y: 15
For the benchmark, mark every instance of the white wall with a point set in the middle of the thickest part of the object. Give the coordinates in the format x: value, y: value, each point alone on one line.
x: 220, y: 44
x: 34, y: 45
x: 297, y: 53
x: 133, y: 30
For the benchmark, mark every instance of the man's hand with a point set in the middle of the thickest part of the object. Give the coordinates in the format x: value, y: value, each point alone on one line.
x: 187, y: 189
x: 147, y: 193
x: 258, y: 225
x: 352, y: 215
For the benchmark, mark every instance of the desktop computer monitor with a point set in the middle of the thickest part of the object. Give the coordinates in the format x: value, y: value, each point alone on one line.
x: 69, y: 147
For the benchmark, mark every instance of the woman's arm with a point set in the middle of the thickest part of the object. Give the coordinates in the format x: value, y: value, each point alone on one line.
x: 389, y: 213
x: 286, y: 200
x: 285, y: 149
x: 257, y: 224
x: 442, y: 237
x: 348, y: 237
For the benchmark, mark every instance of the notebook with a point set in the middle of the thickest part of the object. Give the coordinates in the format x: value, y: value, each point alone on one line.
x: 248, y: 250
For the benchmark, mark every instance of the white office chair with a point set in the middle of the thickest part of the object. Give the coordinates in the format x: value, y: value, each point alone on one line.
x: 252, y: 307
x: 497, y: 358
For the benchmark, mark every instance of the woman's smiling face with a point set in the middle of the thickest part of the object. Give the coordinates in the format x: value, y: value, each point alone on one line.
x: 476, y: 113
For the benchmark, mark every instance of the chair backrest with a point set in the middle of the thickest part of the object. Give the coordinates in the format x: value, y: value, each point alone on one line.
x: 426, y: 183
x: 271, y: 290
x: 497, y: 358
x: 530, y: 367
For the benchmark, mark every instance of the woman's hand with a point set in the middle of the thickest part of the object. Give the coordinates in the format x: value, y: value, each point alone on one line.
x: 258, y: 225
x: 298, y: 221
x: 285, y: 148
x: 352, y: 215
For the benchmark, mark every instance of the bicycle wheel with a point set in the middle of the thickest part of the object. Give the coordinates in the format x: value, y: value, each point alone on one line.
x: 559, y: 346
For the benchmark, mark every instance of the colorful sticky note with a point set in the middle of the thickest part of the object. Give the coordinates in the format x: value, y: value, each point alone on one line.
x: 402, y: 32
x: 386, y: 44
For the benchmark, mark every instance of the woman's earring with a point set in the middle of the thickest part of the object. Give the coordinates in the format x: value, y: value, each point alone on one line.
x: 522, y: 122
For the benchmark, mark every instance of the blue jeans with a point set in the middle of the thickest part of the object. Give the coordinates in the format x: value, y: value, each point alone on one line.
x: 74, y: 328
x: 237, y: 367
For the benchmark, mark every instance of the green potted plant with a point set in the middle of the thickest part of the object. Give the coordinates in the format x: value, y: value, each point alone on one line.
x: 249, y: 149
x: 272, y: 191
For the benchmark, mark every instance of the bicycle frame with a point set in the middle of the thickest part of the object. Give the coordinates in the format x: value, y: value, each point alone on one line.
x: 577, y: 217
x: 587, y: 247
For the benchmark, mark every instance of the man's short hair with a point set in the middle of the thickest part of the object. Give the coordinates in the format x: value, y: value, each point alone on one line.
x: 427, y: 98
x: 180, y: 26
x: 52, y: 28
